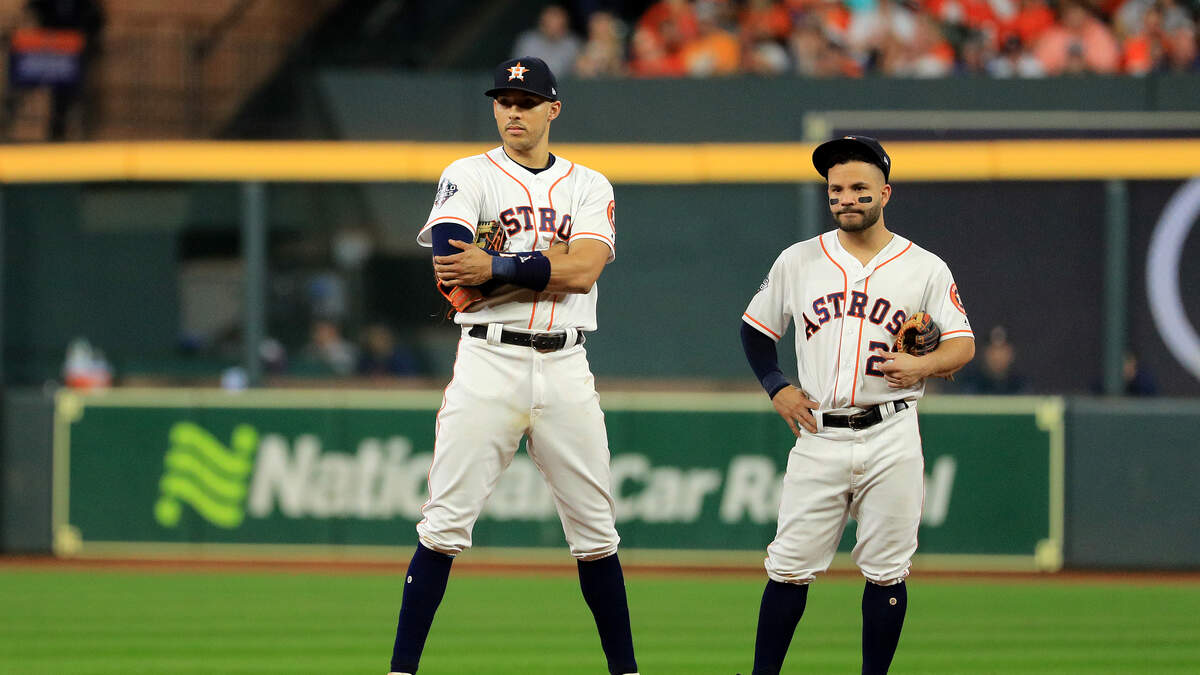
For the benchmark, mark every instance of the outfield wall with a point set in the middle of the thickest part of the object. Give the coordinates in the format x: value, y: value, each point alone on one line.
x: 725, y: 209
x: 1011, y: 483
x: 1132, y: 493
x: 26, y: 471
x: 138, y: 471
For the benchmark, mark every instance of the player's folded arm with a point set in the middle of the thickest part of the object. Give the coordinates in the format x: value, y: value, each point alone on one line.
x: 577, y: 270
x: 460, y: 297
x: 441, y: 234
x: 951, y: 355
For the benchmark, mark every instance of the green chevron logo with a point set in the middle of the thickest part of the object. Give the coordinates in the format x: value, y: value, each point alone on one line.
x: 199, y: 470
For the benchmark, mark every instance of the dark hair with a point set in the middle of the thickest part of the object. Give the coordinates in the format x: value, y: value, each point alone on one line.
x: 853, y: 155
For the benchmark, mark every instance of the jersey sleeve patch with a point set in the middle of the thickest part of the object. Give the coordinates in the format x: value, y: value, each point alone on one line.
x: 445, y: 190
x: 956, y: 298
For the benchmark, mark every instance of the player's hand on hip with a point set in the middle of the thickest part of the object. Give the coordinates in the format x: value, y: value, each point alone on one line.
x: 795, y: 407
x: 470, y: 268
x: 901, y: 370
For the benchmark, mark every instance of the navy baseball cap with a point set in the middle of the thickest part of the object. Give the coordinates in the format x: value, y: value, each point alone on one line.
x: 822, y: 157
x: 529, y: 74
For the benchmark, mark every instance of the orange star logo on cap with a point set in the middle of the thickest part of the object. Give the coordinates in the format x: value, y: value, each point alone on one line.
x: 517, y: 72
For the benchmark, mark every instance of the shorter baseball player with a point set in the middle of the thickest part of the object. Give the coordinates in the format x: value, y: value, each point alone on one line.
x: 852, y: 292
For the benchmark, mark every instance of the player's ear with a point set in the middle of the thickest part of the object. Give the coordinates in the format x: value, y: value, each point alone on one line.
x: 555, y: 109
x: 885, y: 194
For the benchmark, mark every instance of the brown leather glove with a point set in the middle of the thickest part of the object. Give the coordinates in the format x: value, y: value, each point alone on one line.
x: 918, y: 335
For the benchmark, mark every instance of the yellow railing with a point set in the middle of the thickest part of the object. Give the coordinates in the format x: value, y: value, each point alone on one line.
x: 622, y: 163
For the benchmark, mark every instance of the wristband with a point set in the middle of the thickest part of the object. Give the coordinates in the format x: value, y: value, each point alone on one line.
x: 774, y: 383
x: 528, y: 269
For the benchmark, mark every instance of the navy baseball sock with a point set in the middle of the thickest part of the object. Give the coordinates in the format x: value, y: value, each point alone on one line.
x: 883, y: 610
x: 424, y: 586
x: 603, y: 586
x: 781, y: 609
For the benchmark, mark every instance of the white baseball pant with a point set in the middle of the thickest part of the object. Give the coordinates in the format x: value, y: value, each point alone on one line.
x: 500, y: 392
x: 875, y: 475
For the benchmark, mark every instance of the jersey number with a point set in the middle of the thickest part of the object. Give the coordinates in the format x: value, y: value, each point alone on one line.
x: 874, y: 362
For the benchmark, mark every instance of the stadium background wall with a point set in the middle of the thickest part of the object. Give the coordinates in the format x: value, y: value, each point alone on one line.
x: 1017, y: 262
x: 695, y: 472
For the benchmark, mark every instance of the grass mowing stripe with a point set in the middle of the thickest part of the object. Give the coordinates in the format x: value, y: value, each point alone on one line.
x: 104, y: 622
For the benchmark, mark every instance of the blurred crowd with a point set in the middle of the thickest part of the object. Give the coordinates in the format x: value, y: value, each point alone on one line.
x: 996, y: 370
x: 855, y: 38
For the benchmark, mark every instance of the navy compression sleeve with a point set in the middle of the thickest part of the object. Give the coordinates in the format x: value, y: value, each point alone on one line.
x: 764, y: 359
x: 530, y: 269
x: 442, y: 233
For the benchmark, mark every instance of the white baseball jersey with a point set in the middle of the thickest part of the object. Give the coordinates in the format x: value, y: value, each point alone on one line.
x: 501, y: 392
x: 845, y: 310
x: 565, y: 202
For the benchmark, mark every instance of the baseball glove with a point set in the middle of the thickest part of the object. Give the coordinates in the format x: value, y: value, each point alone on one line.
x: 489, y: 236
x: 918, y: 335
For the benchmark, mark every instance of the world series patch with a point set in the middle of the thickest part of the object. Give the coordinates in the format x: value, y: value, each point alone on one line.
x: 445, y: 190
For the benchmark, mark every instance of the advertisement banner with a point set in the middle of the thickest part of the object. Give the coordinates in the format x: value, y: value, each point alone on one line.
x: 690, y: 472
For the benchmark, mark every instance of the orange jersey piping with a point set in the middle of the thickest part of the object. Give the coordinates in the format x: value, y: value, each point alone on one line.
x: 758, y: 323
x: 444, y: 218
x: 845, y: 292
x: 550, y: 194
x: 536, y: 298
x: 858, y: 350
x: 518, y: 182
x: 858, y: 355
x: 596, y: 235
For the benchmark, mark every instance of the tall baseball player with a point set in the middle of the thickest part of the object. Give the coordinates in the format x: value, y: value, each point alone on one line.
x: 854, y: 410
x: 521, y: 368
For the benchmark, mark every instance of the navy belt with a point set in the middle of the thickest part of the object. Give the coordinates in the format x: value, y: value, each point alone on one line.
x: 542, y: 342
x: 867, y: 418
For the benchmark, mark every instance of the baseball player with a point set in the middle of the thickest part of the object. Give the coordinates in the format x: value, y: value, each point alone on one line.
x: 521, y: 368
x: 853, y: 411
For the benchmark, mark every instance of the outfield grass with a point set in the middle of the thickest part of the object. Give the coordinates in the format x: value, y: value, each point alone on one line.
x: 174, y: 623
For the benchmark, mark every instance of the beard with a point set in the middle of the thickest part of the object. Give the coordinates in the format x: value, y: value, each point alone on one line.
x: 869, y: 217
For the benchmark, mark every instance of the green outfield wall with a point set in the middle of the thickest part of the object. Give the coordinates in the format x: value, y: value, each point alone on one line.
x: 26, y: 471
x: 1132, y: 483
x: 152, y: 470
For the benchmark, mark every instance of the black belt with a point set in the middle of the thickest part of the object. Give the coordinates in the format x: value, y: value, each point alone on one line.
x: 867, y: 418
x: 542, y: 342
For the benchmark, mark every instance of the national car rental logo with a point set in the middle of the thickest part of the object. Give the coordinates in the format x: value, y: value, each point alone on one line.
x: 205, y: 474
